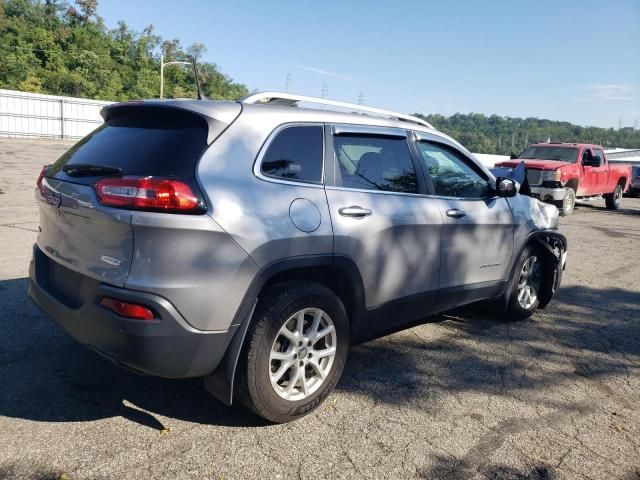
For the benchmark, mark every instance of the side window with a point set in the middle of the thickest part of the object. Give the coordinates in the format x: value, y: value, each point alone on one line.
x: 451, y: 174
x: 586, y: 155
x: 600, y: 154
x: 295, y: 154
x: 375, y: 163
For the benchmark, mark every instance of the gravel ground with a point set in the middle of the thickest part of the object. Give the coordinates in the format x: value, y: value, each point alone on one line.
x: 462, y: 396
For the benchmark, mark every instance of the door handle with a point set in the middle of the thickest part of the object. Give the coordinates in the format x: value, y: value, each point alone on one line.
x: 456, y: 213
x: 354, y: 211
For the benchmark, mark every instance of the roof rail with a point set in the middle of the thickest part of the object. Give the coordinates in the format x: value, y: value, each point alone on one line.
x: 288, y: 99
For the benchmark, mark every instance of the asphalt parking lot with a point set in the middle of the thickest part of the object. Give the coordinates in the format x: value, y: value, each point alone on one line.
x: 462, y: 396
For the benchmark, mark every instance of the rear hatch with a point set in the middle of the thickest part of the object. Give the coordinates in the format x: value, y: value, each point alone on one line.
x: 92, y: 234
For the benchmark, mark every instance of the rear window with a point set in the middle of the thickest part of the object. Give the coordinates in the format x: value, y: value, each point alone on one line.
x: 141, y: 142
x: 295, y: 154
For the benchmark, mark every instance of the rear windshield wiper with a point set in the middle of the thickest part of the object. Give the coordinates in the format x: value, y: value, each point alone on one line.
x: 87, y: 170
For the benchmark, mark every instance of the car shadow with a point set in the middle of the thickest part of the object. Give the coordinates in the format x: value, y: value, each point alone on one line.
x: 46, y: 376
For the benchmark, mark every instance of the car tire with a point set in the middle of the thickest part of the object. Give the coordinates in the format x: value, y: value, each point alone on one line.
x: 528, y: 272
x: 568, y: 203
x: 265, y: 383
x: 612, y: 200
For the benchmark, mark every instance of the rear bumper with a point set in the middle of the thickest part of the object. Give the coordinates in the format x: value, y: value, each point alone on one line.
x: 167, y: 346
x: 544, y: 193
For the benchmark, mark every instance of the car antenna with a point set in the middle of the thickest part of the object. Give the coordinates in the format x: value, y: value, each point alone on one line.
x: 197, y: 77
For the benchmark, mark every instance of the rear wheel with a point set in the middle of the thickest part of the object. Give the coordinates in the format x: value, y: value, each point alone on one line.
x: 295, y: 351
x: 612, y: 201
x: 568, y: 203
x: 526, y: 285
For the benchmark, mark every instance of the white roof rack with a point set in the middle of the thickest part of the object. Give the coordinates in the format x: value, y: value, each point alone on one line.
x: 288, y: 99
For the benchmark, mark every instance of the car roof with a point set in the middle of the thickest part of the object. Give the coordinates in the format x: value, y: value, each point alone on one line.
x: 559, y: 144
x: 226, y: 111
x: 217, y: 108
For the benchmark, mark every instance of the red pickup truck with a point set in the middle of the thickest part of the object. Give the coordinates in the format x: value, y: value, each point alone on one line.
x: 561, y: 172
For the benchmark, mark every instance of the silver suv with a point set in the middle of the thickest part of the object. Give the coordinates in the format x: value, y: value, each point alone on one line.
x: 251, y: 243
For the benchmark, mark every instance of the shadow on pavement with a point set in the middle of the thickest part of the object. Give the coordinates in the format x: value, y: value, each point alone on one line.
x: 46, y: 376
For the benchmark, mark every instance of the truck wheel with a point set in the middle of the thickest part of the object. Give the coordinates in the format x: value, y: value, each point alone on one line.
x: 294, y: 353
x: 568, y: 203
x: 526, y: 285
x: 612, y: 201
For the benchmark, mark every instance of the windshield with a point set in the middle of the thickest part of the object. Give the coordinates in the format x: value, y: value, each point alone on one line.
x: 560, y: 154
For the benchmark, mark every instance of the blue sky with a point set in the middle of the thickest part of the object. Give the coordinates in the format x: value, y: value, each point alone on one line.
x: 565, y: 60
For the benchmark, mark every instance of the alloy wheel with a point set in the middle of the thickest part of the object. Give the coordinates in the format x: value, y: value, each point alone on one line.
x: 617, y: 194
x: 569, y: 202
x: 529, y: 283
x: 302, y: 354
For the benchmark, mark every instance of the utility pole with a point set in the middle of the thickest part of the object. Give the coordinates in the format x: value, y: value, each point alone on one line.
x: 619, y: 123
x: 361, y: 99
x: 635, y: 124
x: 288, y: 83
x: 324, y: 92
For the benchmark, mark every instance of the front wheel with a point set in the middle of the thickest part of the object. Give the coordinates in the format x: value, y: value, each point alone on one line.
x: 612, y: 201
x: 568, y: 203
x: 295, y: 351
x: 525, y: 289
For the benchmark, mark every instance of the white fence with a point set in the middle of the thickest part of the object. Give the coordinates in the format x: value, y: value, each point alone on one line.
x: 35, y: 115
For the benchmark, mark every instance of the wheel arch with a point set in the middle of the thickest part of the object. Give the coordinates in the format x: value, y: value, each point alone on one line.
x: 623, y: 182
x: 336, y: 272
x: 573, y: 183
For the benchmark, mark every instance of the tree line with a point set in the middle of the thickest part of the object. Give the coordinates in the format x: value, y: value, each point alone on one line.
x: 62, y: 49
x: 505, y: 135
x: 50, y: 46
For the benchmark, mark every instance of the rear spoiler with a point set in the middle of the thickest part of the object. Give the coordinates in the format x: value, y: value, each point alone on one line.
x: 217, y: 115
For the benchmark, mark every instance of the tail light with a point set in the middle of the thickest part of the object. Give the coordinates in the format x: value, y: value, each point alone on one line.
x: 43, y: 172
x: 148, y: 193
x: 128, y: 310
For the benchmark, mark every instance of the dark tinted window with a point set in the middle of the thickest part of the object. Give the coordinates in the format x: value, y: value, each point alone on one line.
x: 451, y: 173
x: 295, y: 154
x: 600, y: 154
x: 375, y: 163
x: 143, y: 141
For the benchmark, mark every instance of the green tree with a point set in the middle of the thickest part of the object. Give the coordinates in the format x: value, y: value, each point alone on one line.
x: 52, y: 47
x: 505, y: 135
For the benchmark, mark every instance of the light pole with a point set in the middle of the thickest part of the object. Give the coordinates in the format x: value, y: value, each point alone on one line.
x: 162, y: 64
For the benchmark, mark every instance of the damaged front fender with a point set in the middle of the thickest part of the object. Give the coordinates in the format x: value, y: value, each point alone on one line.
x: 552, y: 246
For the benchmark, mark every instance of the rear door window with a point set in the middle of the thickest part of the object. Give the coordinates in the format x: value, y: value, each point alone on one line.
x: 295, y: 154
x: 375, y: 163
x: 142, y: 141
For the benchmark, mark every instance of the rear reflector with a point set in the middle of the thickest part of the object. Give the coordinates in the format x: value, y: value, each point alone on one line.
x: 128, y: 310
x: 148, y: 193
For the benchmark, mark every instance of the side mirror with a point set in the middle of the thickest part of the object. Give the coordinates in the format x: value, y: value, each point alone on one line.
x: 505, y: 187
x: 513, y: 156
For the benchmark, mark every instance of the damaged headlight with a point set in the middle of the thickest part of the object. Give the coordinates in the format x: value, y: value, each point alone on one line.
x: 544, y: 215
